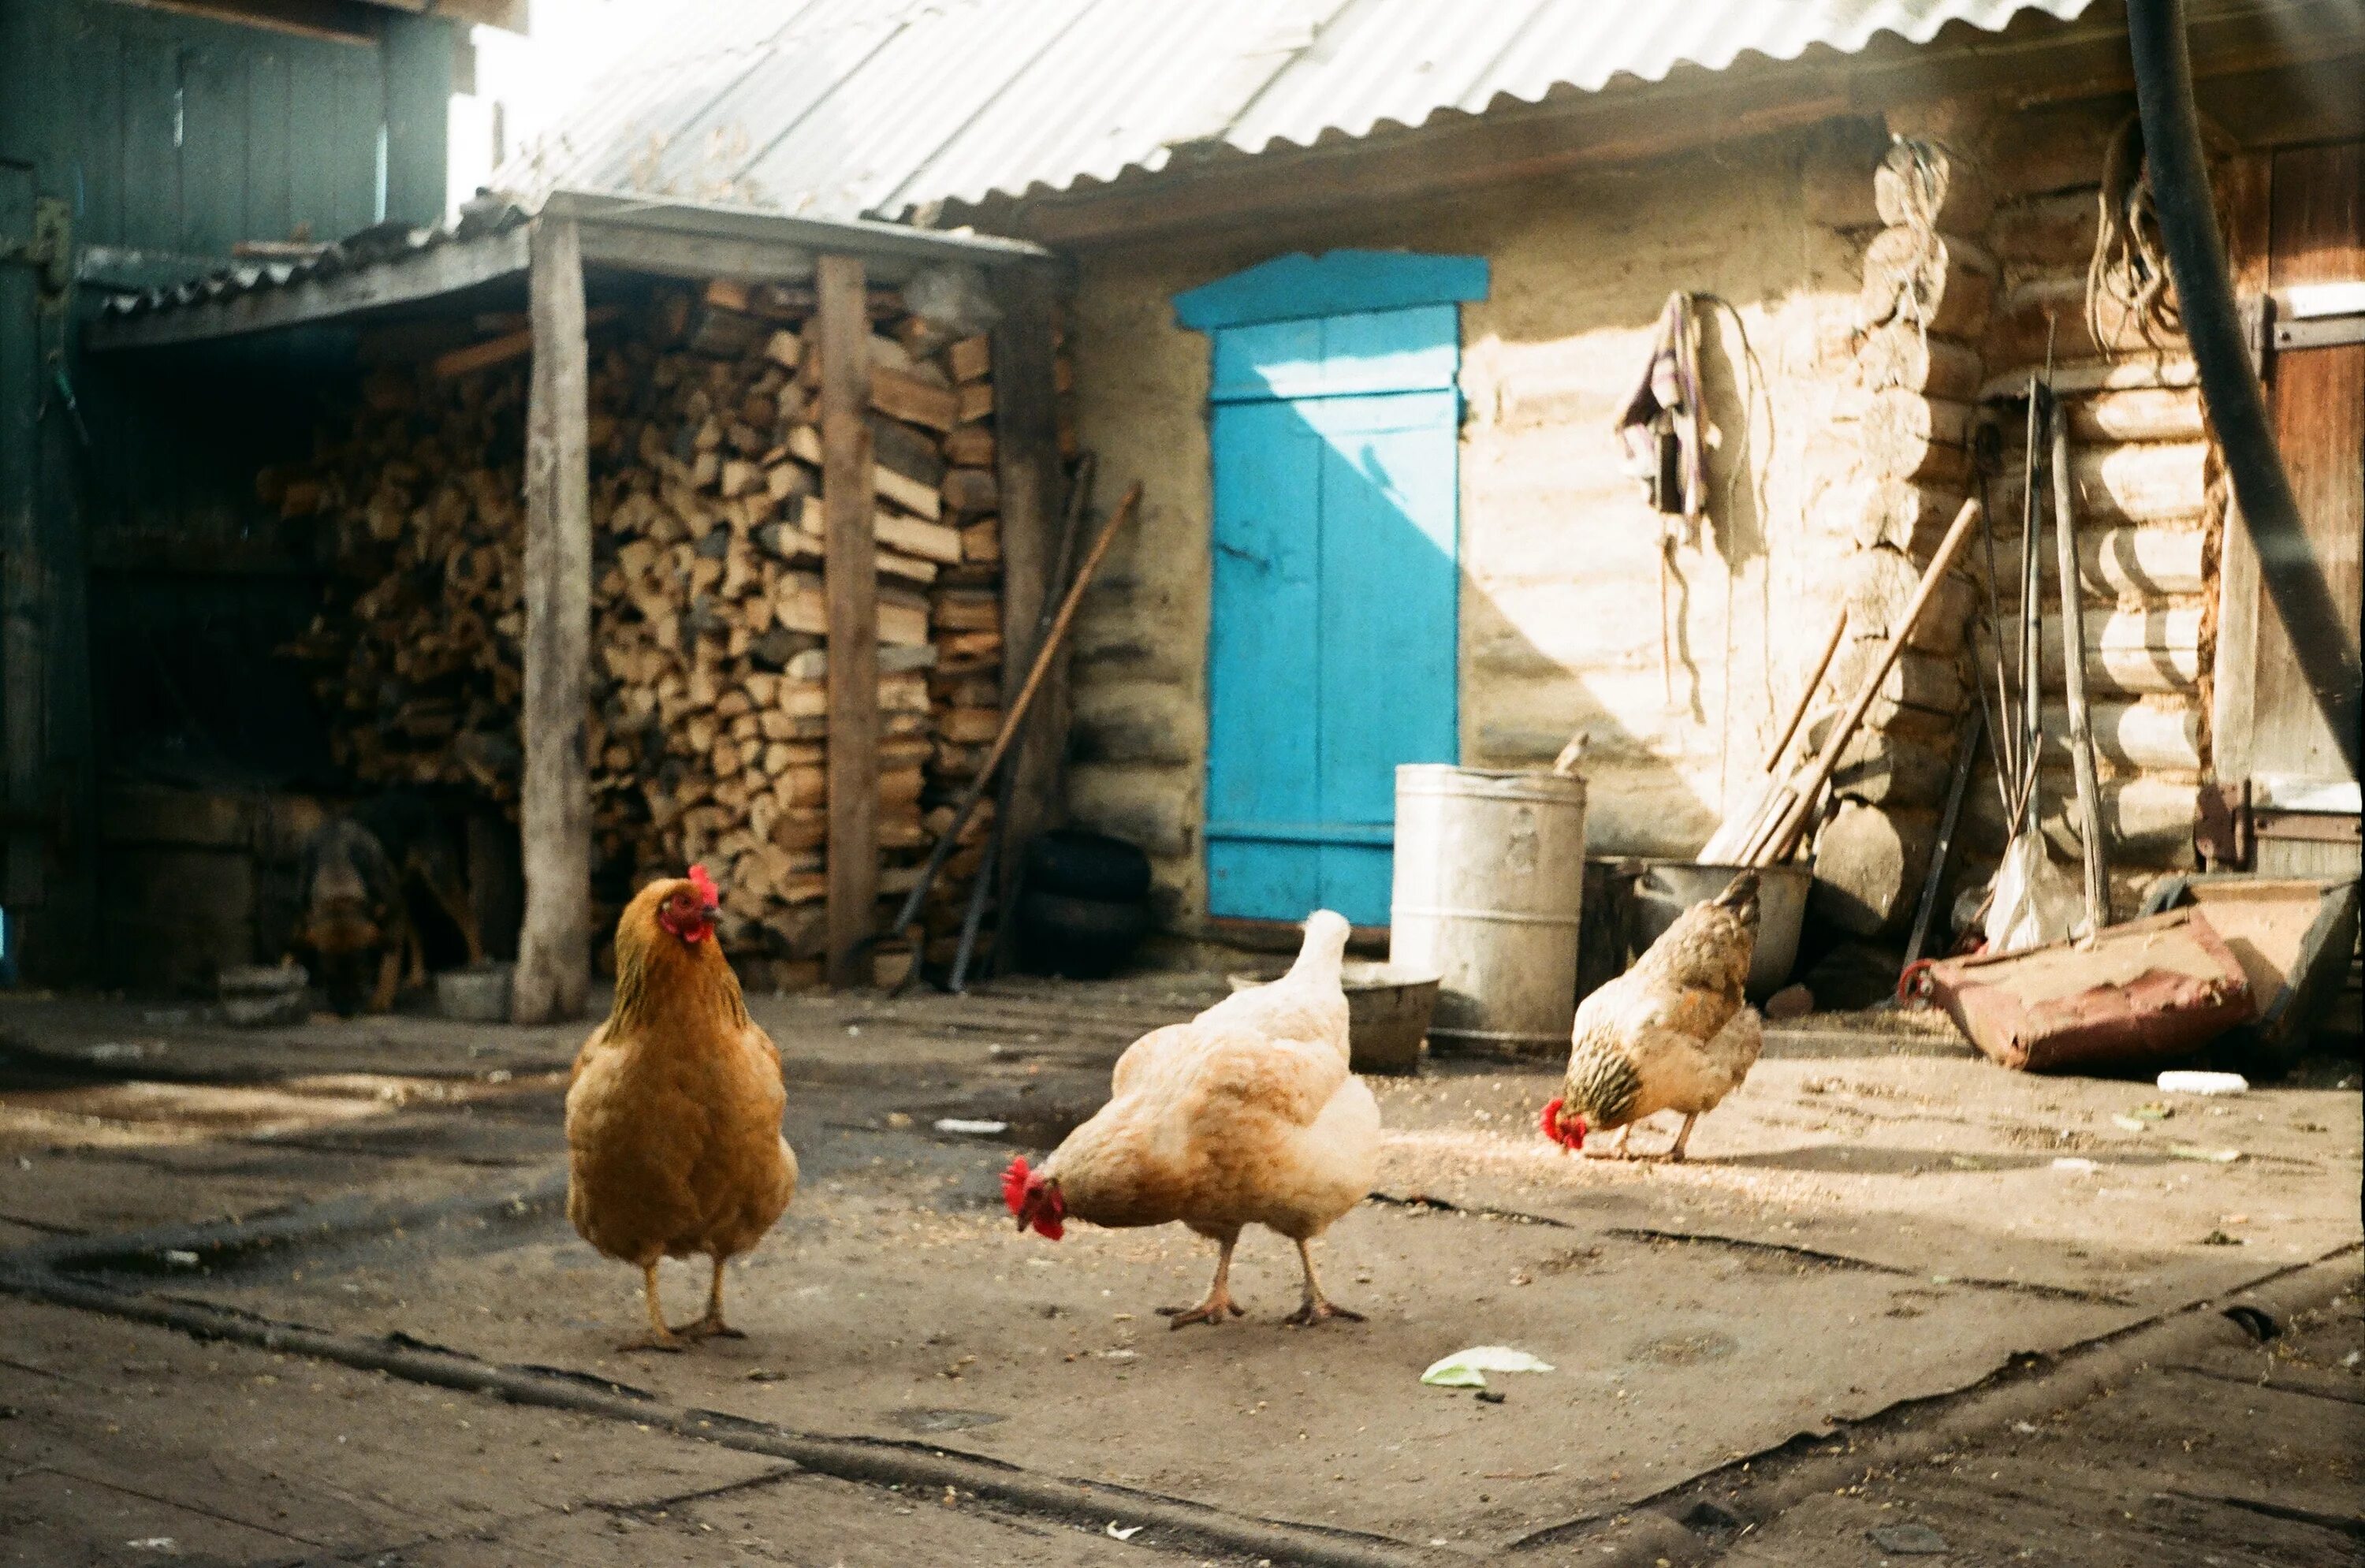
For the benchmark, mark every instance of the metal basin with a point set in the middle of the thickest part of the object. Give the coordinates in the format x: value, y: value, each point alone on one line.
x: 1388, y: 1009
x: 1667, y: 888
x: 477, y: 994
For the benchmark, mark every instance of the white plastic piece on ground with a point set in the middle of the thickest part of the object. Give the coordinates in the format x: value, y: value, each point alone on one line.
x: 2075, y: 1165
x: 1127, y: 1533
x: 2035, y: 902
x: 1468, y: 1369
x: 2190, y: 1082
x: 974, y: 1129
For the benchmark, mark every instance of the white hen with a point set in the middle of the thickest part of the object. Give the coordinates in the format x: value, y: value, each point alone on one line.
x: 1246, y: 1114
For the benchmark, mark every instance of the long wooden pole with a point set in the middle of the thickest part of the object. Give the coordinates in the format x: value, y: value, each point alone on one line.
x: 1807, y: 693
x: 2073, y: 666
x: 554, y: 967
x: 849, y: 578
x: 1015, y: 719
x: 1793, y: 821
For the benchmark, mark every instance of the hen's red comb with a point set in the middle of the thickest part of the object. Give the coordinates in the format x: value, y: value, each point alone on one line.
x: 1557, y: 1133
x: 705, y: 886
x: 1013, y: 1182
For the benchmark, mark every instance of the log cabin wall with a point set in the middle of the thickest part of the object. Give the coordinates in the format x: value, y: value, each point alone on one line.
x: 708, y: 728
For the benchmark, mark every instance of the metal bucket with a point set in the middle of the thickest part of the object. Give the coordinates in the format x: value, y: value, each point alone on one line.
x: 1667, y: 888
x: 1388, y: 1013
x: 1489, y: 887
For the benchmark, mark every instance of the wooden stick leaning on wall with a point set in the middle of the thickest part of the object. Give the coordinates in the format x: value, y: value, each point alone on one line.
x: 1783, y: 836
x: 1079, y: 494
x: 2073, y: 666
x: 554, y: 967
x: 1015, y: 719
x: 1743, y: 829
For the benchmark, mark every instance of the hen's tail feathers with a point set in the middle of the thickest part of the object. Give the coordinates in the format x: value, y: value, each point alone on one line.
x: 1740, y: 897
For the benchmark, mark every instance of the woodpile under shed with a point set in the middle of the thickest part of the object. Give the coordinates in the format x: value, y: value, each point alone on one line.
x: 708, y: 735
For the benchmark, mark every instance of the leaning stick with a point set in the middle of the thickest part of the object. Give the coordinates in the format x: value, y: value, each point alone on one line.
x: 1807, y: 693
x: 2096, y: 856
x: 1016, y: 717
x: 1784, y: 838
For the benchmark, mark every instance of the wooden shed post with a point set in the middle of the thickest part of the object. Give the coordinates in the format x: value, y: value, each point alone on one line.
x: 1034, y: 500
x: 849, y: 574
x: 554, y: 967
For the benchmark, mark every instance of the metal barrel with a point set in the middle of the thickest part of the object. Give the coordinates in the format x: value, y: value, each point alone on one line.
x: 1489, y: 885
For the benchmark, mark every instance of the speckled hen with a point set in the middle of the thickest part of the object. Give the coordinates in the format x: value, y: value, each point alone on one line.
x: 1674, y: 1032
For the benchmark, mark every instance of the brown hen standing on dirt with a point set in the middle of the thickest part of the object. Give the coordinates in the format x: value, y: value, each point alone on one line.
x: 673, y: 1117
x: 1248, y: 1114
x: 1674, y: 1032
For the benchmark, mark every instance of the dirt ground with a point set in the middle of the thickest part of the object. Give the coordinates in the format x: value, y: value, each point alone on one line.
x: 309, y: 1295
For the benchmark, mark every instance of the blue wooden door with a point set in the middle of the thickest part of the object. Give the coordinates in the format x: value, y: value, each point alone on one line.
x: 1331, y: 653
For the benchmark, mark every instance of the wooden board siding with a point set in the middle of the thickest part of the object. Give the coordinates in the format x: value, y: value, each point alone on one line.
x: 171, y: 137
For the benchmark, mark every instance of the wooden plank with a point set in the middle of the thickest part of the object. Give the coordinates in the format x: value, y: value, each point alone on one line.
x: 671, y: 254
x: 1034, y: 498
x: 443, y: 269
x: 554, y: 969
x: 21, y: 661
x: 849, y: 577
x: 2318, y: 228
x: 417, y: 74
x: 2249, y: 183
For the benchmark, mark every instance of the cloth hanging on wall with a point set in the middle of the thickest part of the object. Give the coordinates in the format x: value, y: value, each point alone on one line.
x: 1660, y: 425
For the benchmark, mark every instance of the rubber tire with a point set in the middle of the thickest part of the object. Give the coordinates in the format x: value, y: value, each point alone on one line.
x: 1079, y: 938
x: 1093, y: 866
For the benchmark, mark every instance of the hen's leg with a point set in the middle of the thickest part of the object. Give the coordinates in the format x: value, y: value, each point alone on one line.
x: 659, y: 1337
x: 712, y: 1325
x: 1316, y: 1305
x: 1219, y: 1292
x: 1619, y: 1150
x: 1675, y: 1154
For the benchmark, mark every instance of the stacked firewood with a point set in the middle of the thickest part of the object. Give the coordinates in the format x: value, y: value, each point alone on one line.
x: 709, y: 725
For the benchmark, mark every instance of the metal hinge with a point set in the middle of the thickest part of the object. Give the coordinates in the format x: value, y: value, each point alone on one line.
x: 50, y: 249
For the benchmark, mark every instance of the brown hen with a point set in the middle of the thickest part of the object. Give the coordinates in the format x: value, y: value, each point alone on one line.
x: 673, y: 1117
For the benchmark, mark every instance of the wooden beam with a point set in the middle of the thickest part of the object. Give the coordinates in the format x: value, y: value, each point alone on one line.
x: 554, y: 969
x: 441, y: 269
x: 1034, y: 500
x: 674, y: 253
x: 850, y: 577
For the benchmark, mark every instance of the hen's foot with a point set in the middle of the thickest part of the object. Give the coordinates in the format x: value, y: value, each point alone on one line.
x: 710, y: 1328
x: 1315, y: 1312
x: 1211, y: 1310
x: 670, y: 1345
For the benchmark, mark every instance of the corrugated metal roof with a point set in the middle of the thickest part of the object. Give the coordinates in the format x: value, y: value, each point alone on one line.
x: 879, y: 107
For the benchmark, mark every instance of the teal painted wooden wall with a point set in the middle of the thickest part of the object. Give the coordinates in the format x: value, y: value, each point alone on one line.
x: 167, y: 137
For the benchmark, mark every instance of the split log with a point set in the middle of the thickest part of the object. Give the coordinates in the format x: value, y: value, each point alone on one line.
x: 1943, y: 284
x: 1897, y: 355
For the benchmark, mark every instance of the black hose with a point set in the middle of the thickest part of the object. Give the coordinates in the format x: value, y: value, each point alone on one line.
x: 2321, y: 632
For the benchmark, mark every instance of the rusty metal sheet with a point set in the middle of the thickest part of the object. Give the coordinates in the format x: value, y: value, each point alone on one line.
x: 2151, y: 990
